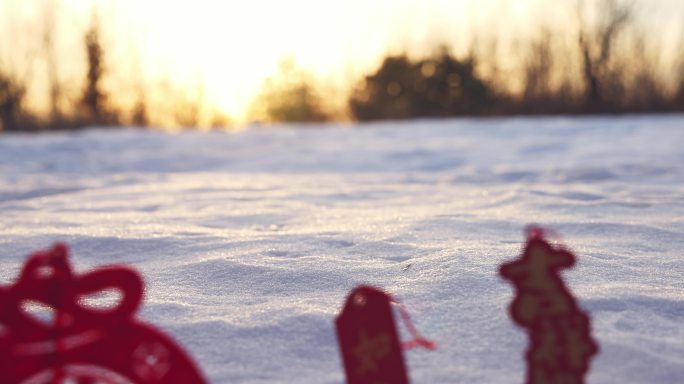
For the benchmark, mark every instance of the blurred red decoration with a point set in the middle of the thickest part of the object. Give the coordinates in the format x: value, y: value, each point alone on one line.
x: 560, y: 339
x: 83, y: 344
x: 368, y: 339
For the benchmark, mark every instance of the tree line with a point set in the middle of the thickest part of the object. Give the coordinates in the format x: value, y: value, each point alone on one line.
x: 603, y: 64
x: 91, y: 105
x: 90, y: 101
x: 609, y: 67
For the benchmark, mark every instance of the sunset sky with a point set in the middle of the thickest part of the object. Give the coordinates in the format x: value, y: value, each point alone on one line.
x: 231, y: 46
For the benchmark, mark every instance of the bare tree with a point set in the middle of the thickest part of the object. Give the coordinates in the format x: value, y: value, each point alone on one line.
x: 140, y: 115
x: 49, y: 50
x: 539, y: 65
x: 596, y: 44
x: 678, y: 97
x: 190, y: 107
x: 12, y: 94
x: 93, y: 98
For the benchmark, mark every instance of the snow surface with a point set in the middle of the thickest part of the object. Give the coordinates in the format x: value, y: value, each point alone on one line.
x: 249, y: 241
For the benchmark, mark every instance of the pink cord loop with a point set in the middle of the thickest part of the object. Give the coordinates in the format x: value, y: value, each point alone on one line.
x: 417, y: 339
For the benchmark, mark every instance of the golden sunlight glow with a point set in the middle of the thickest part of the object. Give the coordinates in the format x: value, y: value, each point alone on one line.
x: 227, y: 48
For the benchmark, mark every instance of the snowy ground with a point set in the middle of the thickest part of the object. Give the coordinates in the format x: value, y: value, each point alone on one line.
x: 250, y: 241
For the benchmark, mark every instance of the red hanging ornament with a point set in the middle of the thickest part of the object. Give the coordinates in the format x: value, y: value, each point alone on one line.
x: 368, y: 339
x: 560, y: 337
x: 83, y: 345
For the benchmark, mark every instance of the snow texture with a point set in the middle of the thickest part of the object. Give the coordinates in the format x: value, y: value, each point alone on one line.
x: 250, y: 241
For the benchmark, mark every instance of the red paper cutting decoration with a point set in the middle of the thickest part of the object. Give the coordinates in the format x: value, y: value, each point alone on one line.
x: 368, y: 339
x: 560, y: 339
x: 83, y: 345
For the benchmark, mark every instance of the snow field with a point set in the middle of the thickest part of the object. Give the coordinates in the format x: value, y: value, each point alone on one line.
x: 250, y: 241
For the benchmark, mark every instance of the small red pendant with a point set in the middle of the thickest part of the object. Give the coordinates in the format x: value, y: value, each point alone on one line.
x: 369, y: 343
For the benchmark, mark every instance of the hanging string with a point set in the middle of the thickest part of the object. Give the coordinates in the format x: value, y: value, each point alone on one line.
x: 535, y: 231
x: 417, y: 339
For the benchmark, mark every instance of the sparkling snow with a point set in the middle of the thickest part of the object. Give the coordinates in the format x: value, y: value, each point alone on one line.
x: 250, y: 241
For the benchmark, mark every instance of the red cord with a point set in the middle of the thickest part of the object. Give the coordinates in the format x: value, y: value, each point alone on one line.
x: 418, y: 340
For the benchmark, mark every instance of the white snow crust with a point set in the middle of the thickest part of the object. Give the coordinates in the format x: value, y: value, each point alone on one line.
x: 250, y: 241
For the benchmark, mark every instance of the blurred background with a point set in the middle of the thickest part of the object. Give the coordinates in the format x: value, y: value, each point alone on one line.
x: 67, y: 64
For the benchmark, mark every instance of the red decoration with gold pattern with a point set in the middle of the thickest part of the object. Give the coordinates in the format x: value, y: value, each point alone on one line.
x: 368, y: 339
x: 560, y: 339
x: 83, y: 344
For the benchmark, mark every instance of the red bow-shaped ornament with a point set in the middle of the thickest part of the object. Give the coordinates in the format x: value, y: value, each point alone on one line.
x: 83, y: 345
